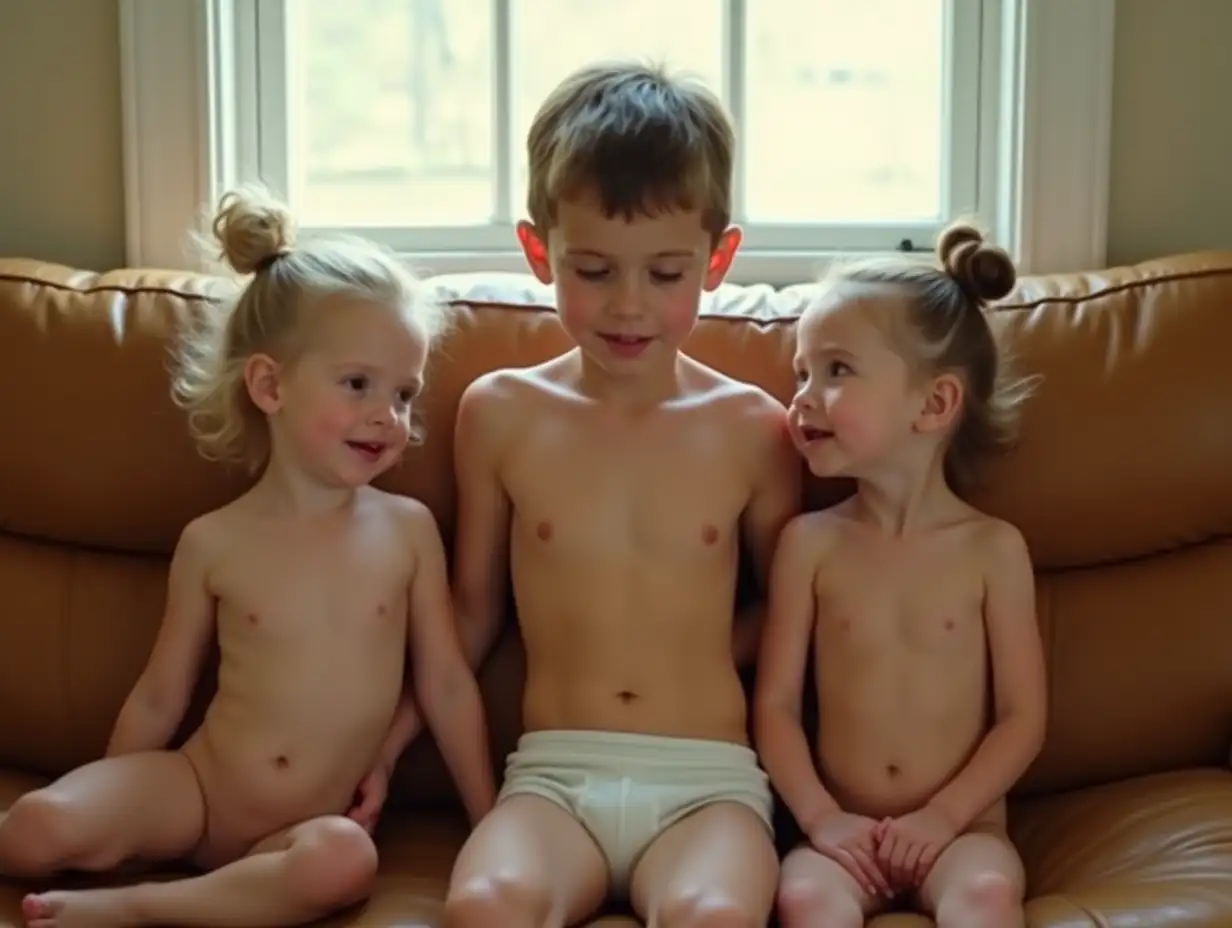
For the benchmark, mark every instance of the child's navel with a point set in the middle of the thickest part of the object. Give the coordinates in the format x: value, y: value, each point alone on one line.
x: 544, y: 531
x: 948, y: 625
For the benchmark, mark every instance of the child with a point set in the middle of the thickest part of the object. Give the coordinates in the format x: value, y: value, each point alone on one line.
x: 620, y: 479
x: 315, y: 583
x: 910, y: 596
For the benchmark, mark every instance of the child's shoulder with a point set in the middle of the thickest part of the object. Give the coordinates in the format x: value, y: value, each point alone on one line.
x: 409, y: 513
x: 491, y: 400
x: 746, y: 404
x: 211, y: 532
x: 995, y: 541
x: 813, y: 533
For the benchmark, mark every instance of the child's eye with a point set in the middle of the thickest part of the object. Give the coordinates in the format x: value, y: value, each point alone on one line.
x: 358, y: 383
x: 591, y: 273
x: 405, y: 397
x: 666, y: 277
x: 839, y: 369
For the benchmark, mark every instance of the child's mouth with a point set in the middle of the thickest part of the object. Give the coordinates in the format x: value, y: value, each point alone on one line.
x: 368, y: 449
x: 626, y: 345
x: 812, y: 433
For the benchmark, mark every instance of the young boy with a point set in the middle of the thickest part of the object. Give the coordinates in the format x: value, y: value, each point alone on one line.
x: 620, y: 478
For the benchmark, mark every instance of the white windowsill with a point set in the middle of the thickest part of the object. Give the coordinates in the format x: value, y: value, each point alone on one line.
x: 1047, y: 173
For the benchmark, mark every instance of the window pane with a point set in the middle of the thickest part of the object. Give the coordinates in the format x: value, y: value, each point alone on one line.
x: 553, y: 37
x: 394, y: 107
x: 844, y: 118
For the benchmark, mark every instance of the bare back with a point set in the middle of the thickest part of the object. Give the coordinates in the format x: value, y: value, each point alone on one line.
x: 900, y: 659
x: 624, y: 531
x: 311, y: 626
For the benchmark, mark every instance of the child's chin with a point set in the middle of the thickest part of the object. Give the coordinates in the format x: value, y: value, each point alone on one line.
x: 826, y: 473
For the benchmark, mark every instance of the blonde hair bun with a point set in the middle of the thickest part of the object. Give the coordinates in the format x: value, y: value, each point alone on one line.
x: 252, y: 229
x: 982, y: 270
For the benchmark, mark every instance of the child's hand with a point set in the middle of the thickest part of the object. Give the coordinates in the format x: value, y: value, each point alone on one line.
x: 850, y: 841
x: 908, y: 846
x: 370, y: 797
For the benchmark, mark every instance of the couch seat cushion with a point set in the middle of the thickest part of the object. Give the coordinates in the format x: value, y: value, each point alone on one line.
x: 416, y: 856
x: 1154, y: 850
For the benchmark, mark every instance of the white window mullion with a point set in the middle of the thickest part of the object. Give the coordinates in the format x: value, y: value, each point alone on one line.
x: 966, y: 64
x: 504, y: 209
x: 735, y: 75
x: 276, y: 127
x: 166, y: 90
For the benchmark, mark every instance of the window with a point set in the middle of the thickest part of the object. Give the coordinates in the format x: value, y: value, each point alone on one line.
x: 864, y: 125
x: 405, y: 119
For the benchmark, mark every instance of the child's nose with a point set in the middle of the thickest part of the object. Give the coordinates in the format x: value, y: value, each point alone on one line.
x: 382, y: 413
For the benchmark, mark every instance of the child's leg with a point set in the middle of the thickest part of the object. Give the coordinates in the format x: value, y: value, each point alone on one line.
x: 718, y: 865
x: 528, y: 864
x: 146, y: 805
x: 817, y: 892
x: 977, y: 881
x: 297, y: 876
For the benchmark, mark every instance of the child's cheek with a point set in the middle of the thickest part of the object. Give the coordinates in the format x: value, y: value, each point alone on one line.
x: 680, y: 318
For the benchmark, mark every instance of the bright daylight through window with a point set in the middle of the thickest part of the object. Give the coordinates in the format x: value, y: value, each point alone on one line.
x: 862, y: 123
x: 406, y: 118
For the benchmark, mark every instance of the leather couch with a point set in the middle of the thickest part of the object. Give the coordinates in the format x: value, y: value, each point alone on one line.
x: 1122, y: 486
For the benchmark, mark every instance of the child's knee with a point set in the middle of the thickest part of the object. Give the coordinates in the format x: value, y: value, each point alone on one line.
x: 707, y: 910
x: 995, y: 898
x: 801, y: 901
x: 42, y: 833
x: 336, y: 866
x: 493, y: 900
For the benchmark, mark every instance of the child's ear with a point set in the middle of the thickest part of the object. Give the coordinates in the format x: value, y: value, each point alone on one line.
x: 721, y: 256
x: 535, y: 248
x: 943, y: 397
x: 261, y: 378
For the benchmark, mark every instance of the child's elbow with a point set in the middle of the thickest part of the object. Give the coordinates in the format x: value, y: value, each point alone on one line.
x: 445, y: 692
x: 160, y: 695
x: 1031, y: 725
x: 770, y: 714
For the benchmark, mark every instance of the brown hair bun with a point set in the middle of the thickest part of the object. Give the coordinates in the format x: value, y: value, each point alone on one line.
x: 982, y: 270
x: 252, y: 229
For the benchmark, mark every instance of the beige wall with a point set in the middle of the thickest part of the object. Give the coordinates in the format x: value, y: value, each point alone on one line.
x: 60, y: 169
x: 1171, y: 130
x: 61, y: 174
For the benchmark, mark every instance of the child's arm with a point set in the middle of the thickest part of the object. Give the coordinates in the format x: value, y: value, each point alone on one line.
x: 155, y: 707
x: 445, y: 687
x: 774, y: 502
x: 481, y: 546
x: 778, y: 732
x: 779, y: 693
x: 406, y: 724
x: 1020, y: 686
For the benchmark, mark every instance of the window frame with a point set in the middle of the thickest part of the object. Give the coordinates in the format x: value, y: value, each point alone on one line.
x: 1037, y: 138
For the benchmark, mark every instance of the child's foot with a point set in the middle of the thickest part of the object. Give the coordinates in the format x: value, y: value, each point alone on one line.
x: 91, y: 908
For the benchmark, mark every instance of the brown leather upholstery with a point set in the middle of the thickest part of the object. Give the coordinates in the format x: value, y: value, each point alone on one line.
x: 1123, y: 487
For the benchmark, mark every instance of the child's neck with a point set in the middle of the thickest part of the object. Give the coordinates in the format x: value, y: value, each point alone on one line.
x: 903, y: 500
x: 289, y: 491
x: 650, y: 388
